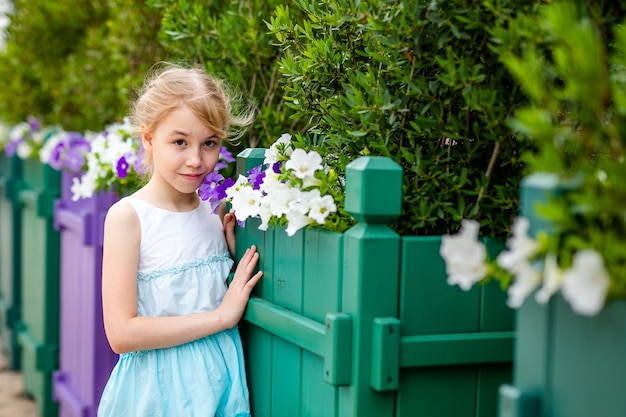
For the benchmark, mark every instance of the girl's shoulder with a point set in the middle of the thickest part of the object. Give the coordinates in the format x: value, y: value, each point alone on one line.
x: 122, y: 212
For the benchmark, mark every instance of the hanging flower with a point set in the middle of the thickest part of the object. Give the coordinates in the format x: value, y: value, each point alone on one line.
x: 112, y: 164
x: 552, y: 279
x: 521, y: 248
x: 214, y: 188
x: 586, y: 283
x: 27, y: 138
x: 304, y: 164
x: 464, y: 256
x: 65, y: 150
x: 527, y: 279
x: 527, y: 266
x: 287, y: 189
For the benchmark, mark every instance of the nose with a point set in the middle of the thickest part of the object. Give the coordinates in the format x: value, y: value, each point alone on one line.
x: 193, y: 158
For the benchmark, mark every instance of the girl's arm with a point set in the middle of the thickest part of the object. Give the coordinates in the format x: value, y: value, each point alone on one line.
x: 125, y: 330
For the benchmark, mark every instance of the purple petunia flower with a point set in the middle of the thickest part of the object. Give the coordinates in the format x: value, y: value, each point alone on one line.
x: 222, y: 187
x: 226, y: 155
x: 58, y: 155
x: 34, y: 124
x: 220, y: 165
x: 74, y: 160
x: 11, y: 147
x: 122, y: 167
x: 256, y: 176
x: 209, y: 190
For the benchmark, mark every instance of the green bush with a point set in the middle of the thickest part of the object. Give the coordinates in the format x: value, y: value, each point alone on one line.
x: 105, y: 73
x: 40, y: 36
x: 230, y: 39
x: 420, y: 82
x: 75, y: 62
x: 571, y: 62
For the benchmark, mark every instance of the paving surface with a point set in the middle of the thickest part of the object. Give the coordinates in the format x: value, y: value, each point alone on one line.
x: 13, y: 403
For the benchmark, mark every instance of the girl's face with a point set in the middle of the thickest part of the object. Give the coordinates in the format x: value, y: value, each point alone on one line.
x: 184, y: 150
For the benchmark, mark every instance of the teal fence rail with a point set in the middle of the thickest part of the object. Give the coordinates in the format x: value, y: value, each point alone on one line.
x: 363, y: 324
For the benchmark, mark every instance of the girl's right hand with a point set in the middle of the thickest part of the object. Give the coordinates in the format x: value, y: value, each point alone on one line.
x: 238, y: 293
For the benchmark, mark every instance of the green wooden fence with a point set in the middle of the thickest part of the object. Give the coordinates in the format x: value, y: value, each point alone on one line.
x: 363, y: 324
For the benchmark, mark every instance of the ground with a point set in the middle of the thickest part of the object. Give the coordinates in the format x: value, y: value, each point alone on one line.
x: 13, y: 403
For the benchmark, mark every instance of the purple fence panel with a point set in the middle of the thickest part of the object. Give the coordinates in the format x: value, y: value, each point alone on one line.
x: 86, y: 360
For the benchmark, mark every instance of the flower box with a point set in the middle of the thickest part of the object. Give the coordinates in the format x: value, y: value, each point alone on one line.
x: 38, y: 327
x: 85, y: 358
x: 362, y: 323
x: 10, y: 256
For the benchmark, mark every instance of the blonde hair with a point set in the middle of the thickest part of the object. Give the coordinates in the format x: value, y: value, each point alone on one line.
x: 171, y: 86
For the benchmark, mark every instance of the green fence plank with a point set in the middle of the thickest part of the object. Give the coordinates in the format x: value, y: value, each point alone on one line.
x: 288, y: 269
x: 495, y: 316
x: 319, y: 399
x: 428, y: 305
x: 286, y: 379
x: 259, y: 369
x: 438, y: 391
x: 323, y: 267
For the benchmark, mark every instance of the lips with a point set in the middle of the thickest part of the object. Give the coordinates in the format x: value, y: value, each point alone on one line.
x: 191, y: 177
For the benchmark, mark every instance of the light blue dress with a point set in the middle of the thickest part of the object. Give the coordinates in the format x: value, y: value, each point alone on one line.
x: 183, y: 267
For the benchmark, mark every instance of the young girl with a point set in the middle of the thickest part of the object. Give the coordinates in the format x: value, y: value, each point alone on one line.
x: 167, y: 308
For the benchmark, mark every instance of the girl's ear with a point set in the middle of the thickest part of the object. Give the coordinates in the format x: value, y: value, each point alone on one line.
x: 146, y: 139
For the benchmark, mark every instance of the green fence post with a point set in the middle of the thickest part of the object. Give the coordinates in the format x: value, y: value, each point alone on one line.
x: 10, y: 255
x: 246, y: 160
x: 371, y: 270
x: 526, y: 398
x: 260, y: 392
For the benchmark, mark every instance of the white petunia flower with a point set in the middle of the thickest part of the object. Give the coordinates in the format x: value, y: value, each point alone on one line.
x: 272, y: 154
x: 24, y: 150
x: 302, y: 200
x: 281, y: 198
x: 464, y: 256
x: 240, y: 184
x: 321, y: 207
x: 296, y: 221
x: 46, y: 150
x: 83, y: 188
x: 19, y: 131
x: 527, y: 279
x: 586, y: 283
x: 266, y: 215
x: 521, y: 247
x: 303, y: 163
x: 246, y: 203
x: 552, y: 279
